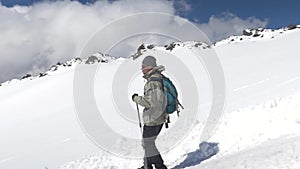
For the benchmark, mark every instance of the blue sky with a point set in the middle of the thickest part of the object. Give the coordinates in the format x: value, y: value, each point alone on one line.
x: 279, y: 13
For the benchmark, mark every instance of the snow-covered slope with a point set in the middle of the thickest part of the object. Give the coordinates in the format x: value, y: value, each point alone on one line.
x: 260, y: 127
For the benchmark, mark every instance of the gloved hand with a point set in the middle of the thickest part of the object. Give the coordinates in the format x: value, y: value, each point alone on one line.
x: 133, y: 96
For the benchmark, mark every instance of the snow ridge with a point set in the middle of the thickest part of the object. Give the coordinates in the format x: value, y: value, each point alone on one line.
x: 258, y: 34
x: 93, y: 59
x: 248, y: 35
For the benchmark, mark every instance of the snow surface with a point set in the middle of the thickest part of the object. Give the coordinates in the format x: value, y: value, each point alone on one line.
x: 260, y: 127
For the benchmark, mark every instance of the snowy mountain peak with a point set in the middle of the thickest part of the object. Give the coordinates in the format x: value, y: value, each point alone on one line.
x: 93, y: 59
x: 169, y: 47
x: 258, y: 34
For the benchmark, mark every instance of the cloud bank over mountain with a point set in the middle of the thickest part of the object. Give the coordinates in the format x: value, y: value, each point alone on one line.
x: 35, y: 37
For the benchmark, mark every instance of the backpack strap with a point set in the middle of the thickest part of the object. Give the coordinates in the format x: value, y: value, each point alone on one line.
x: 163, y: 88
x: 158, y: 80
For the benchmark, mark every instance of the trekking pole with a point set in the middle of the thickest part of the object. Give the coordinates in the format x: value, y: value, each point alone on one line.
x: 138, y: 112
x: 140, y: 123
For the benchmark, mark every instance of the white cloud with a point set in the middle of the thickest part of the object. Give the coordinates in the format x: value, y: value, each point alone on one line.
x: 220, y: 27
x: 35, y: 37
x: 182, y: 6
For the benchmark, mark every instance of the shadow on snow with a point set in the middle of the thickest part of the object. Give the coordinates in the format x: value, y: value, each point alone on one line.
x: 206, y: 150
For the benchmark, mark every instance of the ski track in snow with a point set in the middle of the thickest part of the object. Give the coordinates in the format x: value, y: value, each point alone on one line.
x: 289, y: 81
x: 6, y: 159
x: 251, y: 85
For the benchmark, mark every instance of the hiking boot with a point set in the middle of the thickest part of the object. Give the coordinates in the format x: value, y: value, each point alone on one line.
x: 161, y: 167
x: 150, y: 167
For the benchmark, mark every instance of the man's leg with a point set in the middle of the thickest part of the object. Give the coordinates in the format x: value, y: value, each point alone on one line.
x: 152, y: 155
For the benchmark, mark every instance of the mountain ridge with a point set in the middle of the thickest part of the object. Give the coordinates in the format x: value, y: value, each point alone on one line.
x: 248, y: 35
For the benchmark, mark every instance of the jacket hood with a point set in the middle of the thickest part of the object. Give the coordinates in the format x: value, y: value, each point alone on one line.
x: 154, y: 70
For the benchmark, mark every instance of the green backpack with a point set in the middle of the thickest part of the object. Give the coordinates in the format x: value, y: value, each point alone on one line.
x: 171, y: 94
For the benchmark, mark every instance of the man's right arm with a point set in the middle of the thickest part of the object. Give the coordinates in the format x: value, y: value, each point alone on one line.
x: 142, y: 101
x: 150, y: 94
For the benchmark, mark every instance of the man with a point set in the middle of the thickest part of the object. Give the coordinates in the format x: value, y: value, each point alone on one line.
x: 154, y: 116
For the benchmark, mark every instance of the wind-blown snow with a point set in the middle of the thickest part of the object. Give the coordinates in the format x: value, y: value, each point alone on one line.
x: 260, y: 127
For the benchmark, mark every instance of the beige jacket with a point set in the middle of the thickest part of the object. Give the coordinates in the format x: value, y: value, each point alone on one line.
x: 154, y: 100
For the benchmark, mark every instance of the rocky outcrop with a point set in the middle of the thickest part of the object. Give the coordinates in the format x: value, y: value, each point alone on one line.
x: 92, y: 59
x: 292, y: 26
x: 170, y: 47
x: 247, y: 32
x: 26, y: 76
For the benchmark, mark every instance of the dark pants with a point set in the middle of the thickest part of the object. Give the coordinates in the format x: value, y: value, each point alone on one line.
x: 152, y: 155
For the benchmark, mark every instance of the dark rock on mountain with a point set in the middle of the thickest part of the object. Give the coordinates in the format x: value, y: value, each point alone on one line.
x: 139, y: 51
x: 141, y: 47
x: 42, y: 74
x: 53, y: 68
x: 150, y: 46
x: 26, y: 76
x: 292, y: 26
x: 78, y: 59
x: 198, y: 44
x: 92, y: 60
x: 171, y: 46
x: 256, y: 35
x: 247, y: 32
x: 136, y: 55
